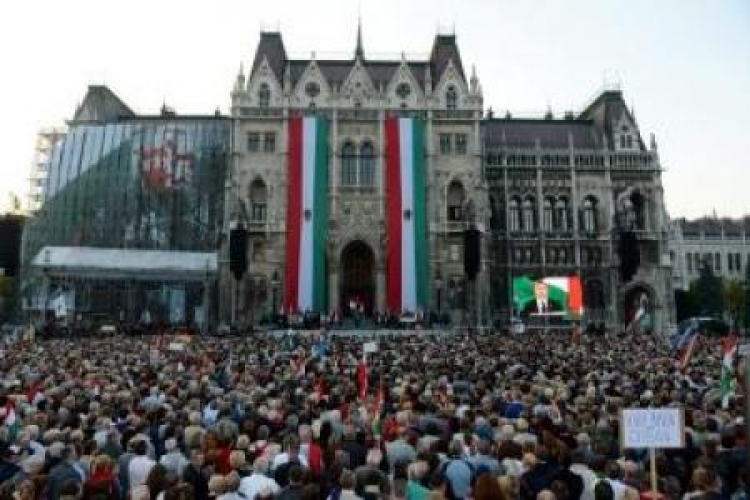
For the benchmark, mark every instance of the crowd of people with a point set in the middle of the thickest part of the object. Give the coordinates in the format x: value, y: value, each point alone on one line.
x: 485, y: 417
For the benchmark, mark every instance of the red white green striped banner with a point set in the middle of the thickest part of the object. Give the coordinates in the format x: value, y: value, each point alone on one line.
x: 307, y: 215
x: 406, y: 217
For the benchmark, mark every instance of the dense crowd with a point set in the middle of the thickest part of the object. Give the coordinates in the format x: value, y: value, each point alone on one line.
x: 302, y: 417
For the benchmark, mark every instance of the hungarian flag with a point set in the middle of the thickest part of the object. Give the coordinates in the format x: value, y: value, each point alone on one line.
x: 307, y: 215
x: 362, y: 377
x: 377, y: 409
x: 320, y: 387
x: 9, y: 419
x: 728, y: 380
x: 685, y: 344
x: 406, y: 217
x: 550, y: 295
x: 34, y: 394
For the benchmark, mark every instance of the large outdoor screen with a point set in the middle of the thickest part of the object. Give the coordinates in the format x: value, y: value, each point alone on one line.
x: 551, y: 296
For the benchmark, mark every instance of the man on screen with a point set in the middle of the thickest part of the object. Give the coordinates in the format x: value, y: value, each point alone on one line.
x: 542, y: 297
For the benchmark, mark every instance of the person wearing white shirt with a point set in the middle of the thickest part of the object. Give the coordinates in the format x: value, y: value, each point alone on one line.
x: 174, y: 460
x: 140, y: 466
x: 258, y: 482
x: 588, y: 476
x: 291, y: 449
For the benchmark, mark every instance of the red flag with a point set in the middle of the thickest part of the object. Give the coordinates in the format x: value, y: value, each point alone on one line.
x: 687, y: 353
x: 362, y: 377
x: 320, y: 387
x: 379, y: 398
x: 34, y: 392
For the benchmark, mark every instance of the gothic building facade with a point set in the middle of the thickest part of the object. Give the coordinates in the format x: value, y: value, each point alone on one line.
x: 551, y: 196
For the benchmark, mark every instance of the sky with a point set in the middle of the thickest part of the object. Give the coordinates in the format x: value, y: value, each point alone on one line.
x: 683, y: 66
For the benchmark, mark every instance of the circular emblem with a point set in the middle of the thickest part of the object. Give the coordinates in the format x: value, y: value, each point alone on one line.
x: 403, y: 90
x: 308, y: 215
x: 312, y: 89
x: 407, y: 214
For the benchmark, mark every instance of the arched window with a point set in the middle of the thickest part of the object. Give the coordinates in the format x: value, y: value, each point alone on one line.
x: 514, y: 211
x: 529, y: 214
x: 639, y: 210
x: 258, y: 201
x: 594, y: 295
x: 589, y: 214
x: 348, y: 164
x: 451, y: 98
x: 264, y: 95
x: 367, y: 164
x: 547, y: 217
x: 494, y: 214
x: 561, y: 214
x: 456, y: 198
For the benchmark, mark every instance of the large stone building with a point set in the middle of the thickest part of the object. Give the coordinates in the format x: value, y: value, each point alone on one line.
x: 722, y: 244
x: 552, y: 196
x: 137, y: 209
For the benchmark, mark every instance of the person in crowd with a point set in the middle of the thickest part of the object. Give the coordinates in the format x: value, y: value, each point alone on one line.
x: 459, y: 416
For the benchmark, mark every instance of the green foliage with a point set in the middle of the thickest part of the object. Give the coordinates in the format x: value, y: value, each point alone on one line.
x: 734, y: 299
x: 685, y: 305
x: 708, y: 292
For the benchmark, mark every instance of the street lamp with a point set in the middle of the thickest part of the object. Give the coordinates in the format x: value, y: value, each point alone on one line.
x: 274, y: 289
x: 439, y: 286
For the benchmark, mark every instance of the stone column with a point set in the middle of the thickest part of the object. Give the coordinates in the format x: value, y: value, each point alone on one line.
x: 333, y: 289
x: 380, y: 288
x: 335, y: 160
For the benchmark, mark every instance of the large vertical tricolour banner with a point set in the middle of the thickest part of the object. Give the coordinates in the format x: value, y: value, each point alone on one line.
x: 307, y: 215
x: 406, y: 215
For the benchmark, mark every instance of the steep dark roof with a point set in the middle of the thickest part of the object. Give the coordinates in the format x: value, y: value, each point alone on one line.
x: 551, y: 134
x: 272, y: 47
x: 605, y: 111
x: 444, y: 48
x: 335, y: 71
x: 101, y: 105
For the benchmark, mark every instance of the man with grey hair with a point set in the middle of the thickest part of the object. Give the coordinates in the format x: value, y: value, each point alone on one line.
x: 369, y: 476
x: 64, y: 473
x: 258, y: 482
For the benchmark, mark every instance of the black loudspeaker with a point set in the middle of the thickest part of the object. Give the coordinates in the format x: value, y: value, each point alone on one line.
x: 472, y: 253
x: 630, y: 255
x: 238, y: 252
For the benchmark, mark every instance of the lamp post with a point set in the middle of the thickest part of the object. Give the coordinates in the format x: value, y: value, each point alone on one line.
x: 274, y: 289
x: 439, y: 286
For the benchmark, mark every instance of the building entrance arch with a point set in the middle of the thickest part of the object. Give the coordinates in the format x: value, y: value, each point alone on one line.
x: 357, y: 278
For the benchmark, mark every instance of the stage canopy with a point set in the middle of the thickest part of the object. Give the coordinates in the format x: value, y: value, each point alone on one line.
x: 118, y: 263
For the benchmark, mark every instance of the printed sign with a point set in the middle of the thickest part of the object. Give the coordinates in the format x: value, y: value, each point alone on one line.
x: 652, y: 428
x: 370, y: 347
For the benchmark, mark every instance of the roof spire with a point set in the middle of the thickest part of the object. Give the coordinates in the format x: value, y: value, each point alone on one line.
x: 359, y: 52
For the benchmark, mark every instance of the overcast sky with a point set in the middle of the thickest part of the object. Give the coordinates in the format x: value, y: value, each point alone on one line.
x: 683, y: 65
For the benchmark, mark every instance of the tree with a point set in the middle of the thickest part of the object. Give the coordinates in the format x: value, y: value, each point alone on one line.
x: 708, y: 291
x: 734, y: 299
x: 746, y: 308
x: 685, y: 305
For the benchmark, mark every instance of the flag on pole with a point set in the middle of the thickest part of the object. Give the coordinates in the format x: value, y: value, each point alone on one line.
x: 406, y: 217
x: 728, y: 379
x: 362, y: 376
x: 378, y: 408
x: 307, y: 215
x: 683, y: 348
x: 10, y: 419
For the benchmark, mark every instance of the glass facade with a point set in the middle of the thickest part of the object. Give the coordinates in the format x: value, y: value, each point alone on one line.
x: 142, y: 183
